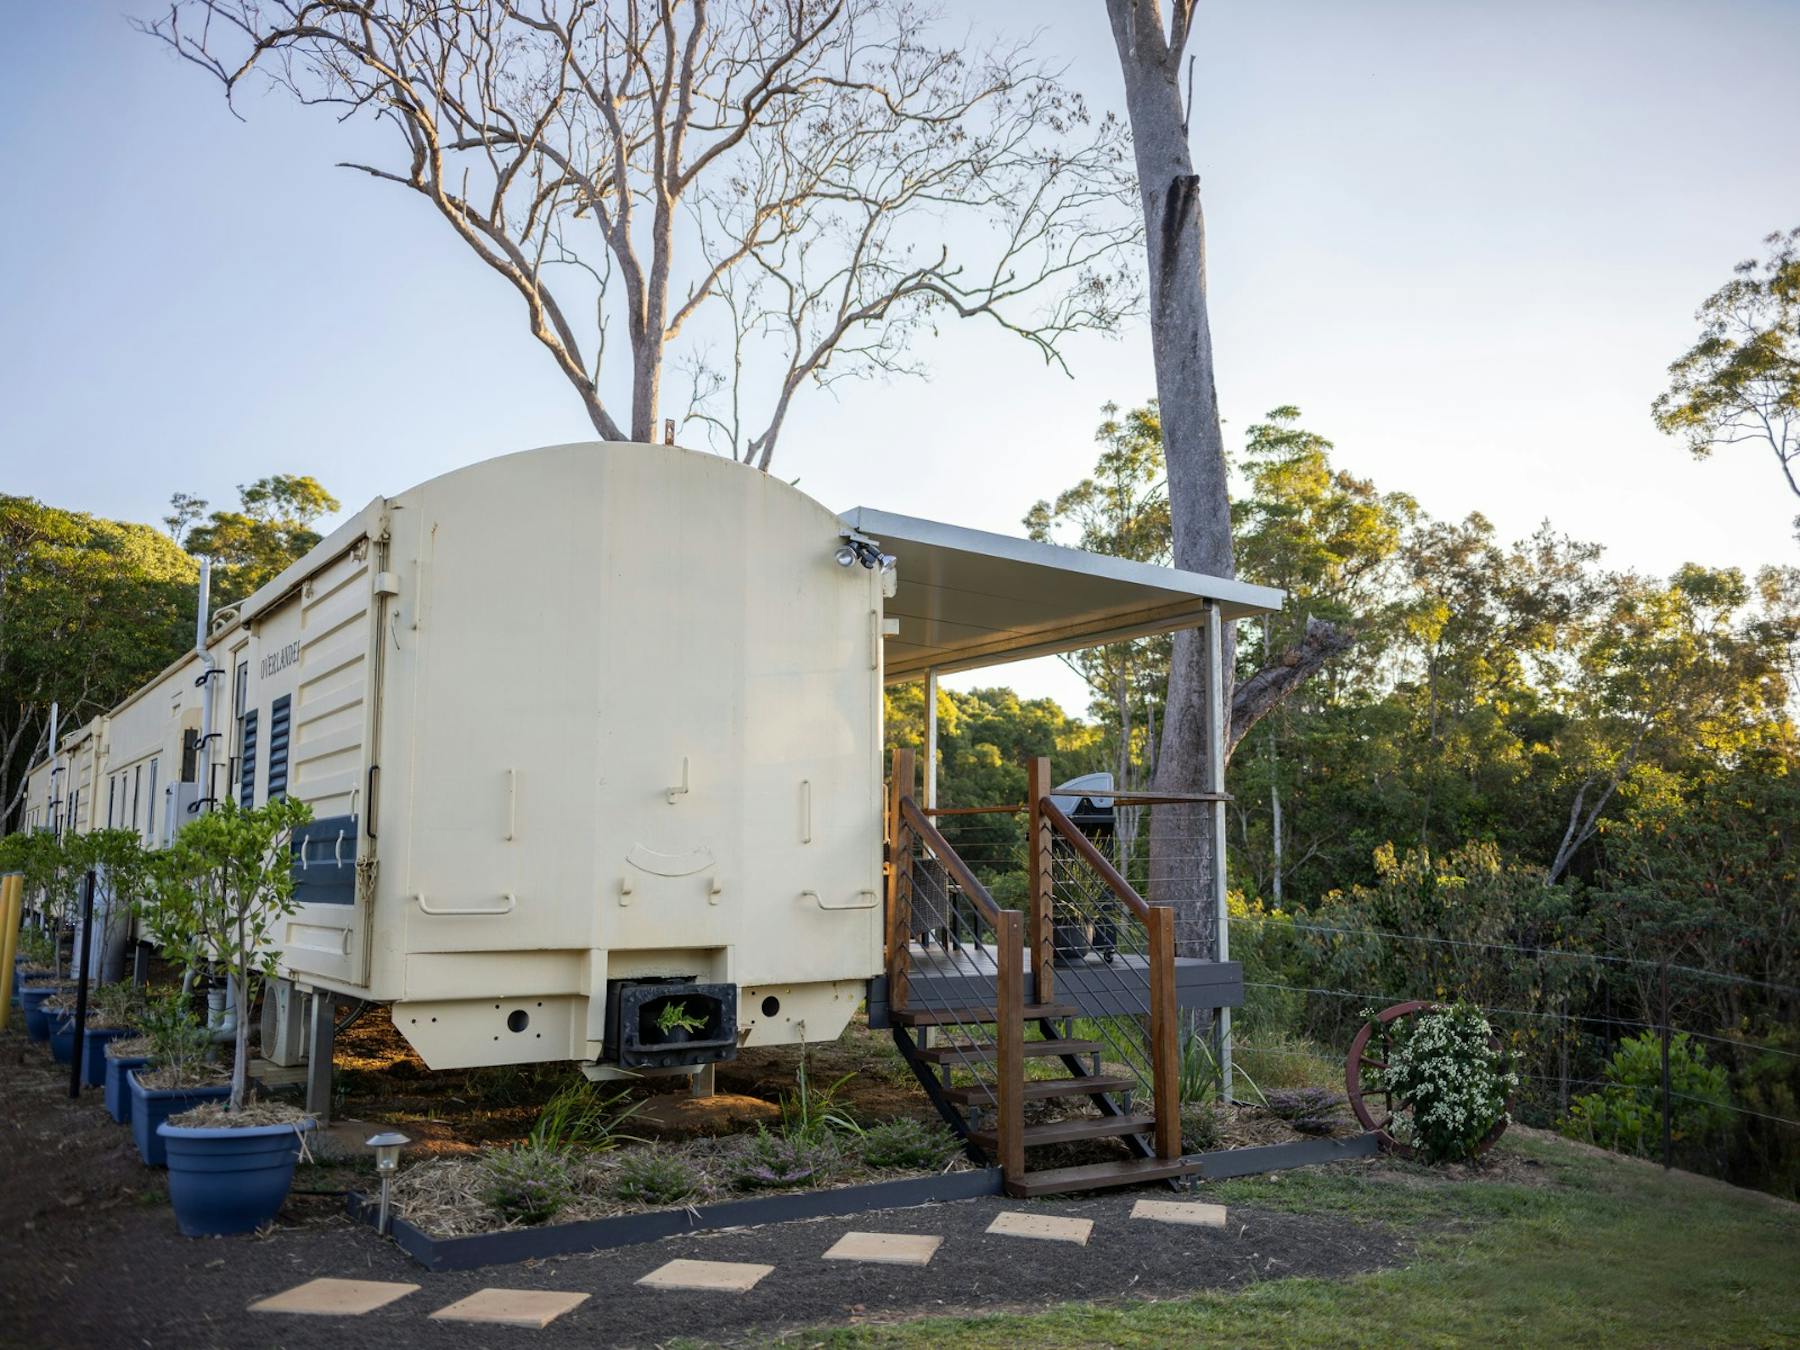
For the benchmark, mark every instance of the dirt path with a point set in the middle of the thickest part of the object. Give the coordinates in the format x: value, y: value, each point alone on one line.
x: 90, y: 1256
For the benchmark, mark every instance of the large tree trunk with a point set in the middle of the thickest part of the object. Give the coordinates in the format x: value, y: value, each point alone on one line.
x: 1182, y: 848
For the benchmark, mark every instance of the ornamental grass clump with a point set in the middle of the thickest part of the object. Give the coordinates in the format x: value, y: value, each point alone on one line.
x: 783, y: 1161
x: 1444, y: 1066
x: 910, y: 1144
x: 526, y: 1183
x: 1309, y: 1110
x: 652, y: 1177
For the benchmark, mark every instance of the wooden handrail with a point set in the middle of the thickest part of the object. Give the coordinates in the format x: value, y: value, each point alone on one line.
x: 916, y: 820
x: 1155, y: 798
x: 1096, y: 860
x: 1159, y: 923
x: 1009, y: 978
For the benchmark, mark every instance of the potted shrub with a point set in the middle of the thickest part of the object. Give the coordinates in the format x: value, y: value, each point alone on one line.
x: 121, y: 1057
x: 222, y: 887
x: 122, y: 870
x: 35, y: 980
x: 180, y: 1072
x: 58, y: 1012
x: 113, y: 1013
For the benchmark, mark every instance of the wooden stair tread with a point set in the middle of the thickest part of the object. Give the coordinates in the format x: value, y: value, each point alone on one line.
x: 938, y: 1054
x: 1068, y: 1131
x: 937, y: 1017
x: 1098, y: 1176
x: 1049, y: 1087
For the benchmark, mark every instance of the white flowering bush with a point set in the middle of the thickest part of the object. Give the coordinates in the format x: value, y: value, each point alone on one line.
x: 1442, y: 1063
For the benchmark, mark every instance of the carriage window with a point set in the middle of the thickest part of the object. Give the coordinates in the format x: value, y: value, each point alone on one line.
x: 150, y: 810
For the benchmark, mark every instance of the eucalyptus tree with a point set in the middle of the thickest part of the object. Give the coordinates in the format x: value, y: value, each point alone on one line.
x: 1151, y: 50
x: 1740, y: 381
x: 791, y: 189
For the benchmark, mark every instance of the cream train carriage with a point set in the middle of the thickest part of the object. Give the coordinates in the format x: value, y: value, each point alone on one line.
x: 587, y: 732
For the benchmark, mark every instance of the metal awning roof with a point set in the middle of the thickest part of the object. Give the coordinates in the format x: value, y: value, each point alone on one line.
x: 968, y: 598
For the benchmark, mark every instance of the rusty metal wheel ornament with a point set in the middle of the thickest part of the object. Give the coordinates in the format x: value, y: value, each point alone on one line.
x: 1363, y: 1079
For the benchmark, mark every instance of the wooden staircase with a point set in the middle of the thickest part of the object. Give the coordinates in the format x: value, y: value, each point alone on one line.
x: 989, y: 1044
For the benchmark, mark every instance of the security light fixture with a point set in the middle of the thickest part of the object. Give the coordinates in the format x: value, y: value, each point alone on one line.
x: 387, y: 1148
x: 859, y: 548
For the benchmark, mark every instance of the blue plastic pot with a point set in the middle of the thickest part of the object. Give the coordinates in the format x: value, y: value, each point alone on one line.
x: 150, y: 1107
x: 62, y: 1036
x: 118, y: 1090
x: 37, y: 1021
x: 226, y: 1180
x: 93, y: 1053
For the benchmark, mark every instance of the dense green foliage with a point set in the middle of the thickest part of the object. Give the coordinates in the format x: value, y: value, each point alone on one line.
x: 89, y: 610
x: 1626, y: 1114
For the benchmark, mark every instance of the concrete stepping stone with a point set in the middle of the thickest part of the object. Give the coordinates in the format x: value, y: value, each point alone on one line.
x: 511, y: 1307
x: 895, y: 1249
x: 335, y: 1298
x: 722, y: 1277
x: 1049, y: 1227
x: 1194, y: 1212
x: 1181, y: 1212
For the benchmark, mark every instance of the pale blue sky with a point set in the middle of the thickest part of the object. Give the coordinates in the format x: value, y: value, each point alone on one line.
x: 1466, y: 238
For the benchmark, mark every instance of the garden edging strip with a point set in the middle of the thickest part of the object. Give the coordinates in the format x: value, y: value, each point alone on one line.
x: 623, y: 1230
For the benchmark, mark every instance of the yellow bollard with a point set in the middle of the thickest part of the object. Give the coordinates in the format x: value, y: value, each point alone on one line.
x: 12, y: 904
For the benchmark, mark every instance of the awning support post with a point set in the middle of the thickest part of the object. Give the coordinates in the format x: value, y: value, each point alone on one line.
x: 931, y: 738
x: 1215, y: 783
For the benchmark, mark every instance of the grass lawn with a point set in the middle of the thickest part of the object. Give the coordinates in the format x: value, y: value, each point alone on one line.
x: 1591, y: 1250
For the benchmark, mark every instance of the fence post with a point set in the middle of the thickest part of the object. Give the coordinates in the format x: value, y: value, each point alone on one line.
x: 899, y: 931
x: 1041, y: 879
x: 81, y: 989
x: 1164, y: 1034
x: 1668, y: 1141
x: 1009, y: 1029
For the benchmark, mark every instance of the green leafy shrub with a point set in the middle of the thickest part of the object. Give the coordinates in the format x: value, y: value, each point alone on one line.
x: 652, y: 1177
x: 1442, y: 1063
x: 907, y: 1143
x: 181, y: 1051
x: 119, y: 1004
x: 1626, y: 1114
x: 782, y: 1161
x: 38, y: 948
x: 525, y: 1183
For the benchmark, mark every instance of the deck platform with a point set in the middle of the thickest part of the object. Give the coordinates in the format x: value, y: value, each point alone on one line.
x: 965, y: 978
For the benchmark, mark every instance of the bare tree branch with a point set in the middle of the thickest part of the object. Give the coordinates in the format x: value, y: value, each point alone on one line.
x: 816, y: 182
